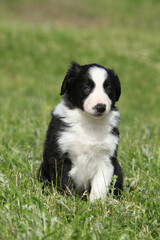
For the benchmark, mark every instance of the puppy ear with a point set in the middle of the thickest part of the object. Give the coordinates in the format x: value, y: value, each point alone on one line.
x: 118, y: 88
x: 117, y: 84
x: 70, y: 76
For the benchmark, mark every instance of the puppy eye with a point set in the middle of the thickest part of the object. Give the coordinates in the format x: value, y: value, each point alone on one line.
x: 109, y: 89
x: 86, y: 89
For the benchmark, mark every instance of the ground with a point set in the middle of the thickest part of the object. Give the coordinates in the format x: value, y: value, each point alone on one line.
x: 38, y: 39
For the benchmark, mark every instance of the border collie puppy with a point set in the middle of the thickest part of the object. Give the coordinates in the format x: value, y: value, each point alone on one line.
x: 80, y: 150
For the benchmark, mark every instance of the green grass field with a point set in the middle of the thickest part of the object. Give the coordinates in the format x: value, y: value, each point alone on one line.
x: 38, y: 39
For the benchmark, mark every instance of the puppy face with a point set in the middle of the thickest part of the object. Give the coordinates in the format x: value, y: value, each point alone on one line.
x: 92, y: 88
x: 97, y: 102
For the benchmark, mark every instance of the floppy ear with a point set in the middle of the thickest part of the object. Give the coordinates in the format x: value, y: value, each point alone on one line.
x: 118, y: 88
x: 117, y: 85
x: 71, y: 74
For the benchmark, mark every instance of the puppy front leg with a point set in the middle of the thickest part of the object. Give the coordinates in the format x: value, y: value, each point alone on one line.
x: 100, y: 182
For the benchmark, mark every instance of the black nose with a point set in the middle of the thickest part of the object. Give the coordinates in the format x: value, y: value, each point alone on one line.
x: 100, y: 107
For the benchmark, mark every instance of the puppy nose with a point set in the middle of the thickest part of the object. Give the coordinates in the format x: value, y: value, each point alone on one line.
x: 100, y: 107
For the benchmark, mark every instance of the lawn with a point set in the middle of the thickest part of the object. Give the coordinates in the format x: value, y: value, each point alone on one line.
x: 38, y: 40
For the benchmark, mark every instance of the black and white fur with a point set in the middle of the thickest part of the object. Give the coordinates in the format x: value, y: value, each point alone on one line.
x: 80, y: 151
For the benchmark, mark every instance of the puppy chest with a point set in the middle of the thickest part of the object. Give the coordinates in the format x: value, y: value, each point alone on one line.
x: 87, y: 153
x: 84, y: 147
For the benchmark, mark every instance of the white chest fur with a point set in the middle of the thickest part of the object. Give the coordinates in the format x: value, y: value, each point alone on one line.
x: 89, y: 143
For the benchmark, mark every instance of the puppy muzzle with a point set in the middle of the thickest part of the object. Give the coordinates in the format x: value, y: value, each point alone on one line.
x: 100, y: 108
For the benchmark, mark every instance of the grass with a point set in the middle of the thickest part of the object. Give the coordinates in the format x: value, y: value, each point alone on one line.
x: 36, y: 47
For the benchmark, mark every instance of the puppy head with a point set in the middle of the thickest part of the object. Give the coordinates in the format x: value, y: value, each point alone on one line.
x: 92, y: 88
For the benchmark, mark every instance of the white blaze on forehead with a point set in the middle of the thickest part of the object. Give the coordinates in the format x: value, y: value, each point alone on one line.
x: 98, y: 96
x: 98, y: 75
